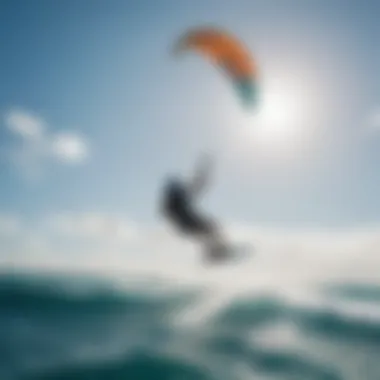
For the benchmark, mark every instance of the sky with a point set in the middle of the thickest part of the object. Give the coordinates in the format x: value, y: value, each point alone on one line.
x: 95, y: 112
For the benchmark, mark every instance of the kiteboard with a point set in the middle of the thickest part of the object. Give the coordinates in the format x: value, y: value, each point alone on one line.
x: 228, y: 253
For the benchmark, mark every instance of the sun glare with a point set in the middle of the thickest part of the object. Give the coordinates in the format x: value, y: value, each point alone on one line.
x: 280, y: 119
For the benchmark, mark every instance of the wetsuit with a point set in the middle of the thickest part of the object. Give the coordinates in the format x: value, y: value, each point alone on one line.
x: 178, y: 207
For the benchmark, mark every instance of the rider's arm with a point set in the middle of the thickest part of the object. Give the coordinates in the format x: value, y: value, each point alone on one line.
x: 201, y: 177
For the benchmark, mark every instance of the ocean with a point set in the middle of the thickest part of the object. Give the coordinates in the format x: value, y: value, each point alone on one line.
x: 75, y: 326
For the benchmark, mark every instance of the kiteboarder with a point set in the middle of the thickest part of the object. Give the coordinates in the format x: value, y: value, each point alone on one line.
x: 178, y: 206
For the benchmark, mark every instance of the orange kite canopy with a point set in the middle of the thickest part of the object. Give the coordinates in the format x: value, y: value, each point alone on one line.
x: 225, y: 51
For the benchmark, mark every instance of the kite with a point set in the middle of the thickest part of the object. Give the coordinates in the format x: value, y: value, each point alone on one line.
x: 226, y: 52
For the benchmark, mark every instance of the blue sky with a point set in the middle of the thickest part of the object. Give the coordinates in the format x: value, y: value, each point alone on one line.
x: 102, y: 71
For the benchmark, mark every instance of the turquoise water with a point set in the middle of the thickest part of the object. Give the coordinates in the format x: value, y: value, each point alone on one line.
x: 74, y: 327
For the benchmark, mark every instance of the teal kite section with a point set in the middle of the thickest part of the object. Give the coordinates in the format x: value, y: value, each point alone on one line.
x: 247, y: 91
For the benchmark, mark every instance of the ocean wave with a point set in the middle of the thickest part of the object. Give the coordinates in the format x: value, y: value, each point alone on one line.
x: 137, y: 366
x: 51, y: 328
x: 76, y: 294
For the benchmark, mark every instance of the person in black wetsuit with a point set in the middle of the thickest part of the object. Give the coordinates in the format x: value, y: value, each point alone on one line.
x: 179, y: 208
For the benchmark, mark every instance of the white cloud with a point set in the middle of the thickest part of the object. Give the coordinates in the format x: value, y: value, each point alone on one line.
x: 280, y: 259
x: 25, y: 124
x: 70, y: 147
x: 36, y: 147
x: 374, y: 119
x: 91, y: 225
